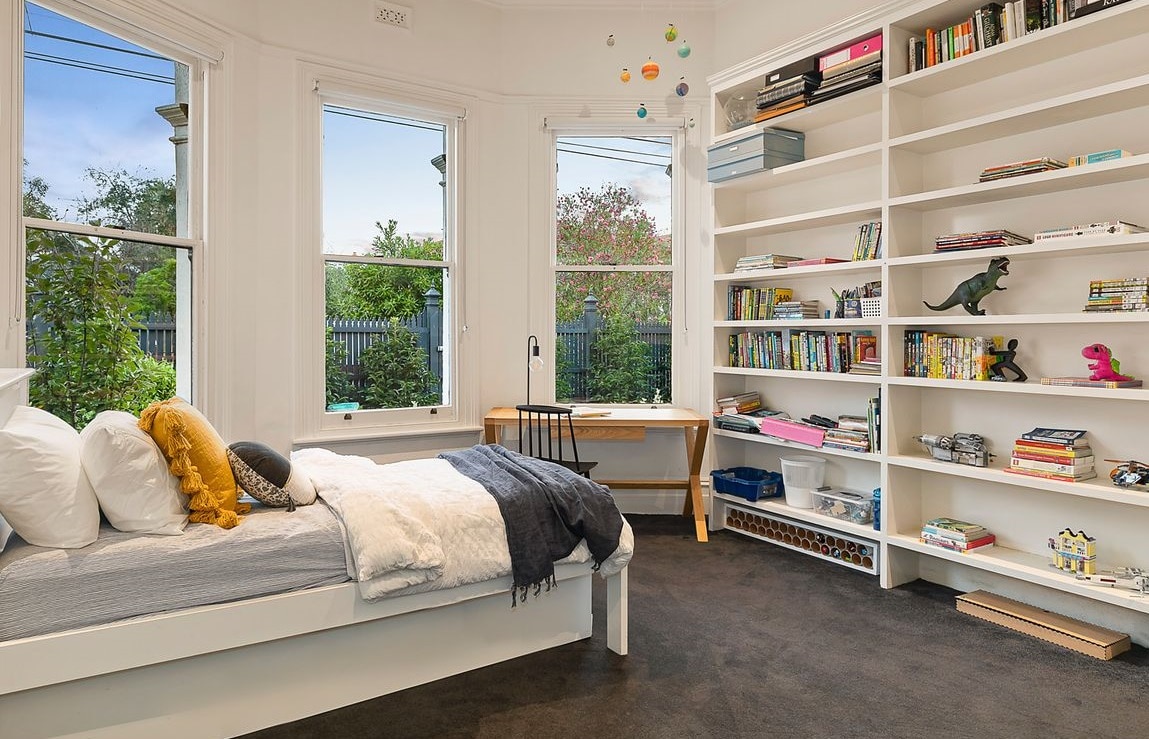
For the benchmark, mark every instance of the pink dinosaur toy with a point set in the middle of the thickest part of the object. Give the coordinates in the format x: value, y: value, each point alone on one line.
x: 1104, y: 366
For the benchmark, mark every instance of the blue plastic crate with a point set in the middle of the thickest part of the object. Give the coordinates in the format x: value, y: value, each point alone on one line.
x: 750, y: 483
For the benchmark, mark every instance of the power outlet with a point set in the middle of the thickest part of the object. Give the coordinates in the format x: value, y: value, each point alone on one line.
x: 393, y: 15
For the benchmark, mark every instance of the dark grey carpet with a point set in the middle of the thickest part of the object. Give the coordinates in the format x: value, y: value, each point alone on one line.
x: 741, y: 638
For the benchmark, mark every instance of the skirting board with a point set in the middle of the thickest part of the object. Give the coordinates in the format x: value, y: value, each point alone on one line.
x: 1070, y: 633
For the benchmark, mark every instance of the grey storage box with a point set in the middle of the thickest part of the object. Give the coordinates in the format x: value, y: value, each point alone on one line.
x: 765, y: 149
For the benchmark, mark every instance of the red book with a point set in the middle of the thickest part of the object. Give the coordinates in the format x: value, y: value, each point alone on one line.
x: 819, y: 260
x: 1053, y: 446
x: 1058, y: 458
x: 957, y: 546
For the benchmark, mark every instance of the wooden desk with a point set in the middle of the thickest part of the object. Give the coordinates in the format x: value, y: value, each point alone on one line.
x: 630, y: 424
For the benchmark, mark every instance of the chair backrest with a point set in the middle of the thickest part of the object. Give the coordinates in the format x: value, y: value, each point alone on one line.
x: 541, y: 433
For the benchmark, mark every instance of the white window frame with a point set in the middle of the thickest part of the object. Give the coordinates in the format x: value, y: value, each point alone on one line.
x: 315, y: 424
x: 675, y: 129
x: 164, y: 31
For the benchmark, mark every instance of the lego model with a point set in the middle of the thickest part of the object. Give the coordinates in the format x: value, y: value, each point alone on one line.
x: 1074, y: 551
x: 1133, y: 578
x: 1130, y: 473
x: 961, y: 448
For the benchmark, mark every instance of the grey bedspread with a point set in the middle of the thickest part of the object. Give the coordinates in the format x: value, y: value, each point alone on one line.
x: 43, y: 590
x: 547, y: 509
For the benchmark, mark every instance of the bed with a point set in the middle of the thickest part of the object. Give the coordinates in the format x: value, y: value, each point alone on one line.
x: 332, y: 638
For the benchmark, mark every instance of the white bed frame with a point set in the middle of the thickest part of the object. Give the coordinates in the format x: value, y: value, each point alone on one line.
x: 224, y: 670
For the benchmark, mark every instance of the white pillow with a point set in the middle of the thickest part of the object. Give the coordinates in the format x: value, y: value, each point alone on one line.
x: 128, y: 471
x: 44, y: 494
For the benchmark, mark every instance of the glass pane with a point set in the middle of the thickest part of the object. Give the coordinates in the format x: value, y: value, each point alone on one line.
x: 380, y: 173
x: 99, y: 118
x: 108, y: 323
x: 614, y: 200
x: 384, y: 337
x: 614, y: 348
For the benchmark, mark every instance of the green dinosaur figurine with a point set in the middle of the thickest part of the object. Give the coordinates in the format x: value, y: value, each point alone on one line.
x: 969, y: 292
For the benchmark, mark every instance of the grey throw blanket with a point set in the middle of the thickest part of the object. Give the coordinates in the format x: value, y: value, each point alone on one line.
x: 547, y: 508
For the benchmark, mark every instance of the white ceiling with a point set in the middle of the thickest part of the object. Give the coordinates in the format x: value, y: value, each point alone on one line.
x: 613, y: 4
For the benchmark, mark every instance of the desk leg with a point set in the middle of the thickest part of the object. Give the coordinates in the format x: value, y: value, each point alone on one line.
x: 695, y: 446
x: 491, y: 433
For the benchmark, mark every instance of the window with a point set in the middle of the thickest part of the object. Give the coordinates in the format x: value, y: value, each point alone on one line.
x: 614, y: 268
x: 109, y: 245
x: 389, y: 264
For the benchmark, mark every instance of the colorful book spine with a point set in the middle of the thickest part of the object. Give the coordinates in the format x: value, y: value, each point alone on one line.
x: 953, y: 546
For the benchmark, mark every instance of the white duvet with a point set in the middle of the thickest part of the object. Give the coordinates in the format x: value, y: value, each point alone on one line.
x: 420, y: 525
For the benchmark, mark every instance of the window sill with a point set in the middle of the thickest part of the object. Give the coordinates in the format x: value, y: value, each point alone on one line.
x: 373, y: 434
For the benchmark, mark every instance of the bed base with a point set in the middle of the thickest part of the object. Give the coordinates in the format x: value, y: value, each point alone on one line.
x: 225, y: 670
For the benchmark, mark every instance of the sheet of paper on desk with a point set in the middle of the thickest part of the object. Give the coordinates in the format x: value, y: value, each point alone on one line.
x: 577, y: 412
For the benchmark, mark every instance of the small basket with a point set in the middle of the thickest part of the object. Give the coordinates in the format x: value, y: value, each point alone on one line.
x: 750, y: 483
x: 871, y: 307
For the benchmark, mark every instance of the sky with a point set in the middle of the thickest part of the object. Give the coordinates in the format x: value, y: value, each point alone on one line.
x: 90, y: 106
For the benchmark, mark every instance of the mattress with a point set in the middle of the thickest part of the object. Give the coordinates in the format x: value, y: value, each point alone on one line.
x: 120, y: 575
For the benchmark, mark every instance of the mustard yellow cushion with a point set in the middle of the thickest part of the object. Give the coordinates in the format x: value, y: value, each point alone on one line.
x: 197, y: 455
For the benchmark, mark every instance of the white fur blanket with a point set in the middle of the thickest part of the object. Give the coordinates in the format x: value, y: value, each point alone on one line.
x: 420, y: 525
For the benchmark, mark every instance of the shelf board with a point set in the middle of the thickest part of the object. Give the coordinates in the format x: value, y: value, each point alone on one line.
x: 869, y: 211
x: 1082, y: 34
x: 811, y: 270
x: 1070, y: 247
x: 846, y: 107
x: 779, y: 506
x: 806, y: 170
x: 799, y: 375
x: 1020, y: 319
x: 814, y: 324
x: 1023, y: 186
x: 1097, y: 101
x: 1025, y: 388
x: 775, y: 441
x: 1089, y: 489
x: 1028, y: 567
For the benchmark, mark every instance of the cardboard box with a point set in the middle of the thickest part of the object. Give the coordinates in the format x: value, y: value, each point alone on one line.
x: 1070, y: 633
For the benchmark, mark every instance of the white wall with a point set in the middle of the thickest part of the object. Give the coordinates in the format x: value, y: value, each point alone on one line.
x: 748, y: 28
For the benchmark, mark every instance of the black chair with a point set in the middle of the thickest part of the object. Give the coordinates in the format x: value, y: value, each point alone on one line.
x: 541, y: 436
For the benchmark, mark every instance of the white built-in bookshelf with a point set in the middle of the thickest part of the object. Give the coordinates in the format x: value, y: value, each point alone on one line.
x: 907, y: 153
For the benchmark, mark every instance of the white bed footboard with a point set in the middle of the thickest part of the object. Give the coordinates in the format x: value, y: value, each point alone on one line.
x: 224, y: 670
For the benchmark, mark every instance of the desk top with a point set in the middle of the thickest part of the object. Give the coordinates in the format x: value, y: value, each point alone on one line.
x: 631, y: 416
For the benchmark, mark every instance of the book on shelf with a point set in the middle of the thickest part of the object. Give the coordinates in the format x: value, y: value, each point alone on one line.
x: 1078, y: 467
x: 845, y: 68
x: 978, y: 240
x: 740, y: 403
x: 745, y: 303
x: 955, y: 528
x: 796, y: 309
x: 1082, y: 8
x: 1086, y: 382
x: 1101, y: 228
x: 860, y: 49
x: 1097, y: 157
x: 1059, y: 456
x: 816, y: 261
x: 774, y: 111
x: 1068, y: 437
x: 1084, y: 475
x: 1014, y: 169
x: 955, y: 546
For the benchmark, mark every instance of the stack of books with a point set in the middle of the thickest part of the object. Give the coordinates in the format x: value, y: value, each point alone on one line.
x: 786, y: 90
x: 815, y: 261
x: 978, y: 240
x: 763, y: 261
x: 868, y: 241
x: 1015, y: 169
x: 739, y: 403
x: 1086, y: 382
x: 1102, y: 228
x: 955, y: 535
x: 846, y: 70
x: 1053, y: 454
x: 852, y: 433
x: 1128, y: 294
x: 796, y: 310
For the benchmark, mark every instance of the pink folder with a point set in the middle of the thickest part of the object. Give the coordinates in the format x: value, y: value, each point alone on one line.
x: 793, y: 431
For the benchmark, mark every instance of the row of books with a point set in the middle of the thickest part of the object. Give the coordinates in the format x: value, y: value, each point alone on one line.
x: 978, y: 240
x: 1100, y: 228
x: 992, y: 24
x: 744, y: 303
x: 852, y: 433
x: 820, y: 78
x: 943, y: 356
x: 868, y: 241
x: 1053, y: 454
x: 1130, y: 294
x: 814, y: 351
x: 956, y: 535
x: 1016, y: 169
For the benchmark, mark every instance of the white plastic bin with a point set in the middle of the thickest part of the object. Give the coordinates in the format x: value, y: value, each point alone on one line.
x: 801, y: 475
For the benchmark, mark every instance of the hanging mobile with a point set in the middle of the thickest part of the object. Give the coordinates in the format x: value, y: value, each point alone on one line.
x: 610, y: 40
x: 671, y: 33
x: 624, y: 75
x: 681, y: 88
x: 650, y: 69
x: 641, y: 112
x: 684, y: 50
